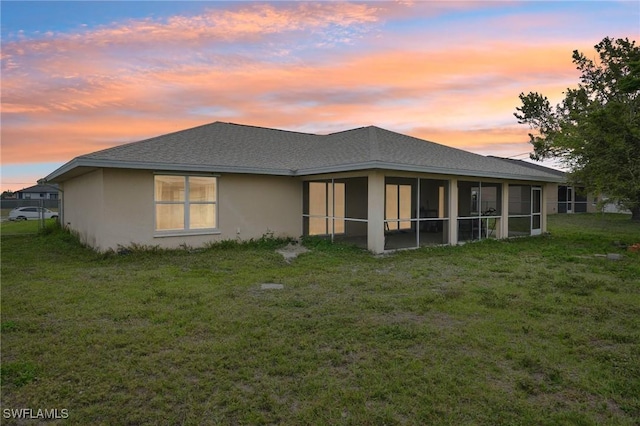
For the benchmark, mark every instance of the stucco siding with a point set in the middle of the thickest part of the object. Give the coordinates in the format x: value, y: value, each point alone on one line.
x: 128, y: 208
x: 83, y: 207
x: 551, y: 191
x: 251, y: 206
x: 109, y: 208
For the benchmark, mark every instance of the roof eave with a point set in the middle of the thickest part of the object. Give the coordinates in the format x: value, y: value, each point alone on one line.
x: 141, y: 165
x: 422, y: 169
x: 93, y: 163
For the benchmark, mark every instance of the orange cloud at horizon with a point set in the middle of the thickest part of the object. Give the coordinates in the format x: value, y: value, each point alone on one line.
x: 389, y: 89
x: 311, y: 67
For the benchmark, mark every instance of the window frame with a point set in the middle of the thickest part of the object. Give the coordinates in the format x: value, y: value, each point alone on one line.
x: 333, y: 224
x: 398, y: 190
x: 186, y: 203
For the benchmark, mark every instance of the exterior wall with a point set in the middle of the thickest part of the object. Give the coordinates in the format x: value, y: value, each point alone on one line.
x: 551, y: 195
x: 255, y: 205
x: 83, y: 206
x: 113, y: 207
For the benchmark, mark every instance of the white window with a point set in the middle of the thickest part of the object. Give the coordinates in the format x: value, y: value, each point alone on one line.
x: 185, y: 203
x: 398, y: 206
x: 326, y: 208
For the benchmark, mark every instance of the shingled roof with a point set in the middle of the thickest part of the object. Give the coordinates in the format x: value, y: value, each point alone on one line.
x: 559, y: 173
x: 232, y: 148
x: 40, y: 188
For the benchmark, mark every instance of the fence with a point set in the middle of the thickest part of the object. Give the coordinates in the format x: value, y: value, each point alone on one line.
x: 7, y: 205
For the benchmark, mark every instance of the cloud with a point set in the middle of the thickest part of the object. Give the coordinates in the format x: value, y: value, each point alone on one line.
x: 391, y: 88
x: 317, y: 67
x: 253, y: 23
x: 89, y: 69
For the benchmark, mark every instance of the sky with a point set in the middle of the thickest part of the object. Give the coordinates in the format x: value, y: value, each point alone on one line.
x: 81, y: 76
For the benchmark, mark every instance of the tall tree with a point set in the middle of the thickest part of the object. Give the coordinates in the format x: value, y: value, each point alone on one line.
x: 595, y: 130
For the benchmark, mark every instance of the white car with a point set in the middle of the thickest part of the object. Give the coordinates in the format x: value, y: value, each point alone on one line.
x: 31, y: 213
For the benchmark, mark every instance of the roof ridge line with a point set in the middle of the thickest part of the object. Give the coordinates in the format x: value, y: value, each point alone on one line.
x: 268, y: 128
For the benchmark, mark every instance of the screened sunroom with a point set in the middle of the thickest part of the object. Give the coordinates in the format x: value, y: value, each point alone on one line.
x: 384, y: 211
x: 336, y: 209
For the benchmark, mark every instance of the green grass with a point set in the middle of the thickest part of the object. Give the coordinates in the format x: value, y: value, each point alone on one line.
x: 523, y: 331
x: 24, y: 226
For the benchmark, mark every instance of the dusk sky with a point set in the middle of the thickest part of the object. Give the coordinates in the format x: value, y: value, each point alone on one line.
x: 83, y: 76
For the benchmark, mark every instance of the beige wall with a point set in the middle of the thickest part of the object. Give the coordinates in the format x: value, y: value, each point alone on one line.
x: 551, y: 195
x: 115, y: 207
x: 112, y: 207
x: 85, y: 194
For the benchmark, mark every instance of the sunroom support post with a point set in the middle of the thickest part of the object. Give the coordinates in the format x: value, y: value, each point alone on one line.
x: 504, y: 220
x: 375, y: 217
x: 543, y: 206
x: 453, y: 211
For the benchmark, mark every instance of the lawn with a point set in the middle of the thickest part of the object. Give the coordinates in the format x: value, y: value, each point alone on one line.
x: 524, y: 331
x: 23, y: 226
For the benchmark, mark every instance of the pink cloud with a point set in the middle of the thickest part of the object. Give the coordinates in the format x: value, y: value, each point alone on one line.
x: 75, y: 93
x: 386, y: 88
x: 255, y: 21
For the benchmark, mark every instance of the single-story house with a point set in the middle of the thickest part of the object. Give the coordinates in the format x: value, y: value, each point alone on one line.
x: 38, y: 192
x: 369, y: 186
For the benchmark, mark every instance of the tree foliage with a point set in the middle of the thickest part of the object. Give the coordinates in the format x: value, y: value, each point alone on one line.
x: 6, y: 194
x: 595, y: 130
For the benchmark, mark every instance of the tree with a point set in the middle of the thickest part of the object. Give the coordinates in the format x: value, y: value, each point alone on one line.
x: 595, y: 130
x: 6, y: 194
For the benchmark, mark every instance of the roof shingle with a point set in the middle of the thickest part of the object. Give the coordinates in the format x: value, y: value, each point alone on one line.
x: 227, y: 147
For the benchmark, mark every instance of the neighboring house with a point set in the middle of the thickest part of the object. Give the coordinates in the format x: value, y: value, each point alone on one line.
x: 38, y: 192
x: 564, y: 198
x: 369, y: 186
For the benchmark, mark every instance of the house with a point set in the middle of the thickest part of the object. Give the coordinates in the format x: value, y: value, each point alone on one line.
x: 38, y: 192
x: 564, y: 198
x: 369, y: 186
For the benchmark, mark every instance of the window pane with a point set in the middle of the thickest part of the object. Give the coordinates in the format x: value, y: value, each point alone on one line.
x: 169, y: 216
x: 405, y: 201
x: 170, y: 188
x: 317, y: 226
x: 202, y: 216
x: 339, y: 207
x: 202, y: 188
x: 467, y: 198
x: 391, y: 210
x: 391, y: 207
x: 562, y: 193
x: 519, y: 199
x: 339, y: 200
x: 469, y: 229
x: 491, y: 199
x: 536, y: 201
x: 318, y: 199
x: 519, y: 226
x: 536, y: 221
